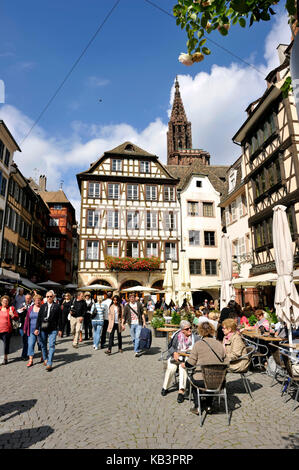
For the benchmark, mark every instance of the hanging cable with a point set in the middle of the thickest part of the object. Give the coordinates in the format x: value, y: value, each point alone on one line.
x: 71, y: 70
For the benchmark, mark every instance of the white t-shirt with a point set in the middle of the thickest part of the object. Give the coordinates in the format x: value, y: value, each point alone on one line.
x: 134, y: 317
x: 115, y: 314
x: 107, y: 302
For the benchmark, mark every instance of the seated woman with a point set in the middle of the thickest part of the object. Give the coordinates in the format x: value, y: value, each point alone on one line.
x: 261, y: 321
x: 234, y: 346
x: 206, y: 351
x: 182, y: 340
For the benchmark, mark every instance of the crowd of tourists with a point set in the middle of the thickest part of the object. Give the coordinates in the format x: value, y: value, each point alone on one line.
x: 39, y: 320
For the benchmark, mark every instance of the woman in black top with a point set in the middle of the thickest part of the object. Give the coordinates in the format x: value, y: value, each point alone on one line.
x: 232, y: 310
x: 65, y: 310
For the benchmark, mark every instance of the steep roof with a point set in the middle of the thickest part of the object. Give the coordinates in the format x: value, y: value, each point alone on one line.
x: 130, y: 149
x: 54, y: 196
x: 185, y: 172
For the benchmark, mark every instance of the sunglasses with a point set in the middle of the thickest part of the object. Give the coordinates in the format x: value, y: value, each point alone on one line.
x: 49, y: 296
x: 186, y: 329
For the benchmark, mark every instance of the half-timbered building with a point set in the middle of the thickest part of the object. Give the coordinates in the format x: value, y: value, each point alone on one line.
x: 270, y: 143
x: 129, y: 214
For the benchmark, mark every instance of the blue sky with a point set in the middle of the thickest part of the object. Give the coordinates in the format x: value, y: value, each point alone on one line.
x: 130, y: 66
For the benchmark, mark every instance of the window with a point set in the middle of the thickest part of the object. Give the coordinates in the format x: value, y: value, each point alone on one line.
x: 57, y: 207
x: 151, y: 249
x: 3, y: 186
x: 54, y: 222
x: 194, y: 237
x: 112, y: 248
x: 211, y: 267
x: 1, y: 218
x: 169, y: 219
x: 170, y: 251
x: 209, y: 238
x: 232, y: 179
x: 92, y: 218
x: 151, y: 220
x: 112, y: 219
x: 267, y: 177
x: 7, y: 157
x: 132, y: 249
x: 193, y: 208
x: 145, y: 167
x: 132, y: 220
x: 53, y: 242
x: 263, y: 233
x: 195, y: 266
x: 227, y: 216
x: 1, y: 149
x: 92, y: 250
x: 17, y: 192
x: 132, y: 191
x: 151, y: 193
x: 198, y: 184
x: 116, y: 165
x: 48, y: 265
x: 207, y: 209
x: 93, y: 189
x: 169, y: 193
x: 113, y: 191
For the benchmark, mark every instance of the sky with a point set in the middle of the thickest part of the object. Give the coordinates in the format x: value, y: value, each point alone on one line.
x: 122, y: 88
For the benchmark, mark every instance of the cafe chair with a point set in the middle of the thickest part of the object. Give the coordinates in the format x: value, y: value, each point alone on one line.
x: 250, y: 351
x: 215, y: 385
x: 261, y: 352
x: 292, y: 378
x: 279, y: 367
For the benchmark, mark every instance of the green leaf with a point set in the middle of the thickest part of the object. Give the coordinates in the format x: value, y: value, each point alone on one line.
x: 223, y: 31
x: 206, y: 51
x: 242, y: 22
x: 202, y: 42
x: 200, y: 33
x: 291, y: 7
x: 241, y: 6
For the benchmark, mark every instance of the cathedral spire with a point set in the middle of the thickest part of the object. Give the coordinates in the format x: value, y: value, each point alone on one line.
x: 178, y: 110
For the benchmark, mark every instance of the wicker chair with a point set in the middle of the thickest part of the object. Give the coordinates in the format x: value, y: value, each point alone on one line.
x: 215, y: 385
x: 291, y: 378
x: 250, y: 351
x: 280, y: 369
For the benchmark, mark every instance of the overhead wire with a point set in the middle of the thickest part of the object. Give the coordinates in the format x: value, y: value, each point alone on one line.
x: 206, y: 37
x: 71, y: 70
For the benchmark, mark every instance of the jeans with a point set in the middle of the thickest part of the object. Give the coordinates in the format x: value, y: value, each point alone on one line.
x: 44, y: 336
x: 25, y: 343
x: 111, y: 337
x: 97, y: 329
x: 32, y: 340
x: 5, y: 339
x: 104, y: 333
x: 135, y: 331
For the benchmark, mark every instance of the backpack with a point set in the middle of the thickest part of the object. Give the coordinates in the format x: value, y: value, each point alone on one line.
x: 145, y: 339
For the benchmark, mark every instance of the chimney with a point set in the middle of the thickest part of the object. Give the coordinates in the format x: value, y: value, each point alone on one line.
x: 42, y: 182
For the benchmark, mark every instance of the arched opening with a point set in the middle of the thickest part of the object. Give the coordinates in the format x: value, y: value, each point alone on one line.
x: 100, y: 281
x: 126, y: 285
x: 199, y: 298
x: 157, y: 297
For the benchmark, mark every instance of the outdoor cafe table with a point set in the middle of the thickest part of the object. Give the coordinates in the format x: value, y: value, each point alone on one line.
x: 258, y: 336
x: 169, y: 332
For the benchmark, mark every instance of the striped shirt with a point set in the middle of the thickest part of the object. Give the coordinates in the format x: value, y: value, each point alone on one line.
x: 101, y: 310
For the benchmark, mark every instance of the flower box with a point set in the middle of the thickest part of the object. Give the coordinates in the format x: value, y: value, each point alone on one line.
x: 132, y: 264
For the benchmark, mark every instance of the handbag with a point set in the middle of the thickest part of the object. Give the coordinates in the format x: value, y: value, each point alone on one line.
x: 15, y: 324
x: 93, y: 312
x: 45, y: 324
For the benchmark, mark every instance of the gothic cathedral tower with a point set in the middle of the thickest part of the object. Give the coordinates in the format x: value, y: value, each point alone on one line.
x: 179, y: 136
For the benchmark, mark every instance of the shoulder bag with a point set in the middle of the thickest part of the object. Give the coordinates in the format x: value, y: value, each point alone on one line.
x: 219, y: 358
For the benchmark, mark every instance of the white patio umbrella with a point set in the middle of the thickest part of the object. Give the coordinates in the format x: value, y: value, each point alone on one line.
x: 226, y: 271
x: 168, y: 283
x: 184, y: 286
x: 286, y: 295
x: 50, y: 284
x: 141, y: 289
x: 96, y: 287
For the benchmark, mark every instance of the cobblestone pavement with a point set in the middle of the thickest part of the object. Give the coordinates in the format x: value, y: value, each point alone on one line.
x: 91, y: 400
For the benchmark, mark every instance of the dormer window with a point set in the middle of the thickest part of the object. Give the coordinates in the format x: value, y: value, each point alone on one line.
x: 130, y: 148
x: 232, y: 180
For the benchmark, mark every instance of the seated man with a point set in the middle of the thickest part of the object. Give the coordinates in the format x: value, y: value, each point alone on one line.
x: 182, y: 340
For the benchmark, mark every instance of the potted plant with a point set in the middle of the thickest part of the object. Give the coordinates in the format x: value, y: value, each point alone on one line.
x: 158, y: 322
x: 252, y: 320
x: 175, y: 318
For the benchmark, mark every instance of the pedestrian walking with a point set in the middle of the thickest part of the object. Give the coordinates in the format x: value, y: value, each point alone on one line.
x: 98, y: 314
x: 134, y: 316
x: 87, y: 317
x: 19, y: 299
x: 7, y: 314
x: 78, y: 311
x: 107, y: 301
x: 65, y: 313
x: 22, y: 312
x: 115, y: 318
x: 30, y: 328
x: 47, y: 326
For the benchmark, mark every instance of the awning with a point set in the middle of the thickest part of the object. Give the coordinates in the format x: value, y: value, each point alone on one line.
x: 9, y: 275
x: 30, y: 285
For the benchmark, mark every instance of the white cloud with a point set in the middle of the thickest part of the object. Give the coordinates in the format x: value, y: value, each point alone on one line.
x: 215, y: 103
x: 97, y: 81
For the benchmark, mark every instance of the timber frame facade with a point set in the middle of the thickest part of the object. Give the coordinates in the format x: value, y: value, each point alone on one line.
x: 270, y: 142
x: 129, y: 208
